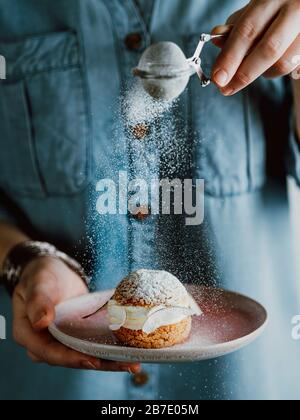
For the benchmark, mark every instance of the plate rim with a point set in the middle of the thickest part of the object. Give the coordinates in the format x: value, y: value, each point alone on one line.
x: 216, y: 350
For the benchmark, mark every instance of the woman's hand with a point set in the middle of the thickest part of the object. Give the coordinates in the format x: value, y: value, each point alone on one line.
x: 265, y: 40
x: 46, y: 282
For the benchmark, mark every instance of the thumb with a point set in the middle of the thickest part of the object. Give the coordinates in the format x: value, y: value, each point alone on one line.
x: 221, y: 30
x: 40, y: 303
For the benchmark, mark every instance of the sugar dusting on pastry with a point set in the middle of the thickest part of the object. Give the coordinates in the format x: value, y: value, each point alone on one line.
x: 151, y: 309
x: 150, y: 288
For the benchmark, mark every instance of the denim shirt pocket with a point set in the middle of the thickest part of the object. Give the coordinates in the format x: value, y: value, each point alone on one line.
x: 229, y: 142
x: 44, y: 141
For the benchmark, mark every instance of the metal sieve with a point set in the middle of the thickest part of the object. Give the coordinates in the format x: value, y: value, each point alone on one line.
x: 165, y: 71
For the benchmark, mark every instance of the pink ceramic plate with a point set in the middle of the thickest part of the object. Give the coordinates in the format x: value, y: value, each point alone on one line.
x: 230, y: 322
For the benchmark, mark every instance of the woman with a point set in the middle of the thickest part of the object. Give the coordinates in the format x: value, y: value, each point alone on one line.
x: 68, y: 65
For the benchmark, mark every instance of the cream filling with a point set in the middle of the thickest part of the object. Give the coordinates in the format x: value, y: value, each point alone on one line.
x: 149, y: 319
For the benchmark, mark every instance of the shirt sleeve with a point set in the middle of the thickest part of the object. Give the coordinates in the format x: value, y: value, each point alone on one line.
x: 293, y: 155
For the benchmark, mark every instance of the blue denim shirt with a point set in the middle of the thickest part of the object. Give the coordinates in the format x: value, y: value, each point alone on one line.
x: 69, y: 62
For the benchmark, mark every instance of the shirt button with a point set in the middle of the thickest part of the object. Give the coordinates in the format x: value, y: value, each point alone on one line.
x: 142, y: 213
x: 140, y: 131
x: 134, y: 41
x: 140, y: 379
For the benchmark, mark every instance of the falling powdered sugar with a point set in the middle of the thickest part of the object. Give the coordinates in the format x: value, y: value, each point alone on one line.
x: 141, y: 108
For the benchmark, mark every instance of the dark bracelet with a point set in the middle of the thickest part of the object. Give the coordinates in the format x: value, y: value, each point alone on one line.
x: 21, y: 255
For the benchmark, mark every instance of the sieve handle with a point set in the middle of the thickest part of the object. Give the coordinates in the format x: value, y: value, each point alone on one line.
x: 203, y: 40
x: 195, y: 61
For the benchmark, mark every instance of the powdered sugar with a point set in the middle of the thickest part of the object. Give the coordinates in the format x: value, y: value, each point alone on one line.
x: 151, y: 287
x: 141, y: 108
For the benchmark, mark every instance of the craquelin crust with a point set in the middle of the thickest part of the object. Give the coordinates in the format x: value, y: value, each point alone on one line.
x: 131, y: 302
x: 163, y: 337
x: 149, y: 288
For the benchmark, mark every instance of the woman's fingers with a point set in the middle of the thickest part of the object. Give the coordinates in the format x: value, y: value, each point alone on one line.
x: 221, y: 30
x: 39, y: 299
x: 43, y: 348
x: 249, y: 27
x: 56, y: 354
x: 108, y: 366
x: 236, y: 15
x: 33, y: 357
x: 41, y: 344
x: 40, y: 311
x: 100, y: 365
x: 226, y: 29
x: 34, y: 309
x: 276, y: 41
x: 289, y: 62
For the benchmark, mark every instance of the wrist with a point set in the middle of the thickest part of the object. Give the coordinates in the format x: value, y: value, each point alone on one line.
x: 10, y: 237
x: 29, y: 253
x: 5, y: 253
x: 46, y: 270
